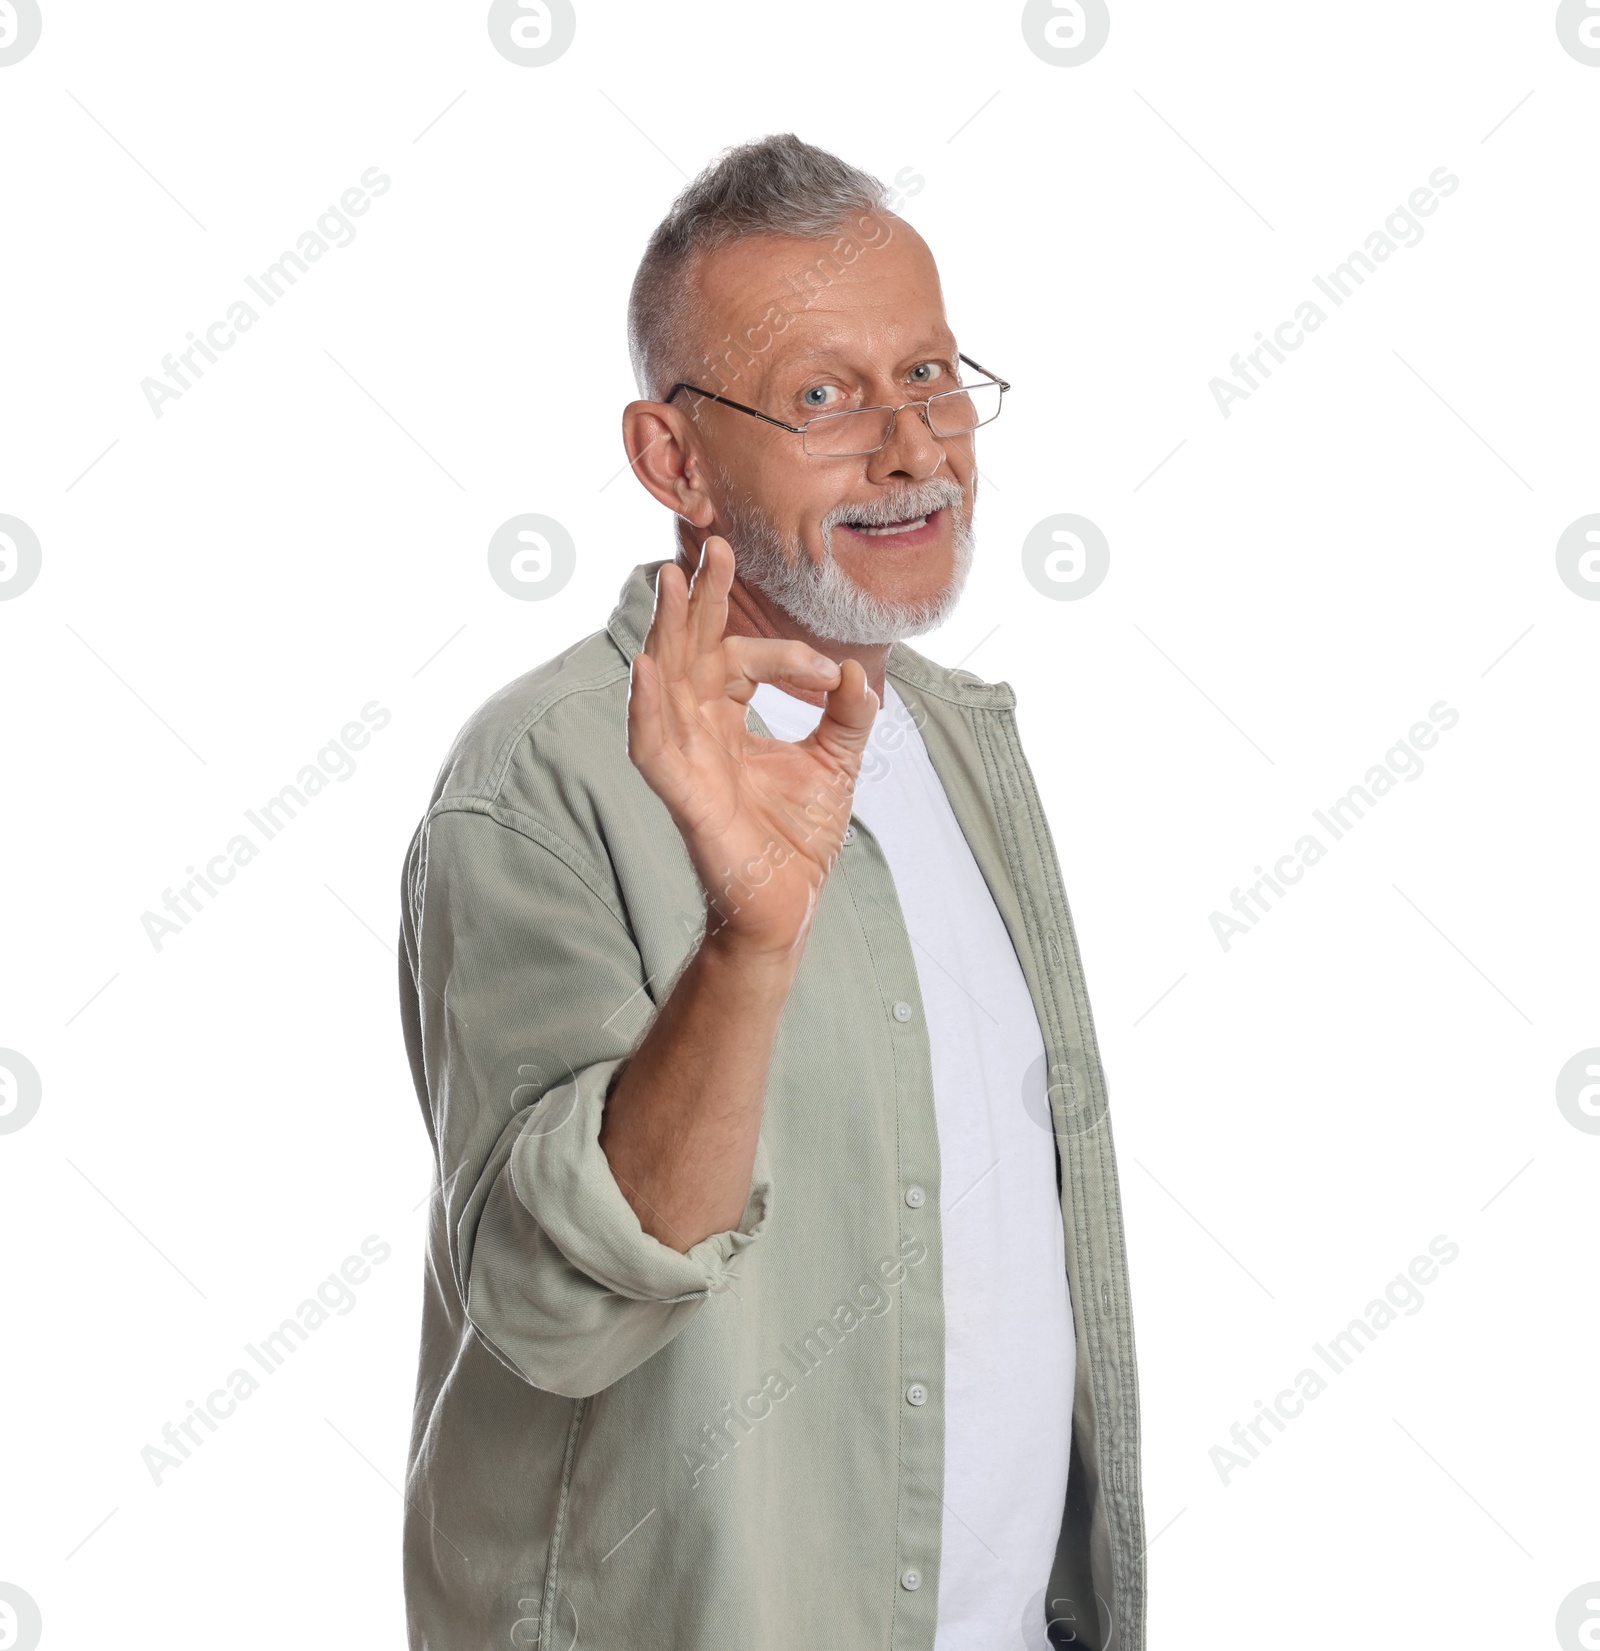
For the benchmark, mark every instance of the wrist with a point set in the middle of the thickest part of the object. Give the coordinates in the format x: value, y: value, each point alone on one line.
x: 754, y: 961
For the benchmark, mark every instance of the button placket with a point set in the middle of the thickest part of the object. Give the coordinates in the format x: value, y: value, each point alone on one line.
x: 891, y: 963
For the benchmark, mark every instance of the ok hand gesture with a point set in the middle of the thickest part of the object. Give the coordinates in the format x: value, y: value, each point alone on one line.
x: 763, y: 820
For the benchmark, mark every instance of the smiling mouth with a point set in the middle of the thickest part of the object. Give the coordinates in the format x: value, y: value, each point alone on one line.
x: 873, y: 531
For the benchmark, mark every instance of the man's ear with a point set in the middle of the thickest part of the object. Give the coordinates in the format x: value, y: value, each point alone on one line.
x: 661, y: 450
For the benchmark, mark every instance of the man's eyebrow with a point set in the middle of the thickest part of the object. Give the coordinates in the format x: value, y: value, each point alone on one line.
x: 822, y: 355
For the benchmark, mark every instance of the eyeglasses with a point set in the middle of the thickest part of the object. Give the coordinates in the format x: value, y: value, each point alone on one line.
x: 864, y: 430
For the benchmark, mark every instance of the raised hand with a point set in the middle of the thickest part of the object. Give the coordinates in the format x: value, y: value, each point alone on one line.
x: 763, y: 820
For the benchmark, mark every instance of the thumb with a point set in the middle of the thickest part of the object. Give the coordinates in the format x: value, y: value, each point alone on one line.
x: 847, y: 716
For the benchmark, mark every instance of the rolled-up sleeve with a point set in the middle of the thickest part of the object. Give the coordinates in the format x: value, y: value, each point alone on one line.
x: 526, y: 997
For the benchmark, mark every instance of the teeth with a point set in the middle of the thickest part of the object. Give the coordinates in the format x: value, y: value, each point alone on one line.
x: 899, y: 527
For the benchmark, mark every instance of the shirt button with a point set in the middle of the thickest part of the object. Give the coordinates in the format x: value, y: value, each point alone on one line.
x: 916, y: 1197
x: 911, y: 1580
x: 902, y: 1011
x: 916, y: 1394
x: 849, y: 833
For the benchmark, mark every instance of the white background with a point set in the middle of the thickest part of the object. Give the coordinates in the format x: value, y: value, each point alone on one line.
x: 305, y: 530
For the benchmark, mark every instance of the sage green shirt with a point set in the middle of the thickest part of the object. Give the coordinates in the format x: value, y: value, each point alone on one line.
x: 619, y: 1446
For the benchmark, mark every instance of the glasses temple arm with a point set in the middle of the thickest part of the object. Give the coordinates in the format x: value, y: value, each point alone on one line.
x: 1004, y: 384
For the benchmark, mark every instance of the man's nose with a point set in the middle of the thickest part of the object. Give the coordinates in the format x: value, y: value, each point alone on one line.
x: 911, y: 450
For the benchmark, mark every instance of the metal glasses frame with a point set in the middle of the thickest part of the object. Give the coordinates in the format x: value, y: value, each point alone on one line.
x: 800, y: 429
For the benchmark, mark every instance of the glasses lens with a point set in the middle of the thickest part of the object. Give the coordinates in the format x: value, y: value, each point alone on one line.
x: 957, y: 411
x: 836, y: 434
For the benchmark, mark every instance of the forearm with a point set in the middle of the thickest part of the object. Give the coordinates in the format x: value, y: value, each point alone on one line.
x: 681, y: 1126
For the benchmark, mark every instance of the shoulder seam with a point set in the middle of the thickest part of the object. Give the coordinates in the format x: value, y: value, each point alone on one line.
x: 502, y: 758
x: 538, y: 833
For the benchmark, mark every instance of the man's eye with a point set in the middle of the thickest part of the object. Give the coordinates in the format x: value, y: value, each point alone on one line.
x: 820, y: 398
x: 926, y: 372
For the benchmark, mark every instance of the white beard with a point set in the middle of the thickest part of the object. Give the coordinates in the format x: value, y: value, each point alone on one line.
x: 820, y: 596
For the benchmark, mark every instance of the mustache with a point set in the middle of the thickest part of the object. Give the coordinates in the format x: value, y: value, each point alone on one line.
x: 917, y: 499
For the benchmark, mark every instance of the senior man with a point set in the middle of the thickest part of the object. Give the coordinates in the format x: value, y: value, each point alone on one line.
x: 777, y: 1294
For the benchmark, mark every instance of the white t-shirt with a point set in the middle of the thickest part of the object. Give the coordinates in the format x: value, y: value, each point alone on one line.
x: 1009, y: 1349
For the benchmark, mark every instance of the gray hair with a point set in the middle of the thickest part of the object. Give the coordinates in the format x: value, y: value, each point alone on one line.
x: 777, y: 185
